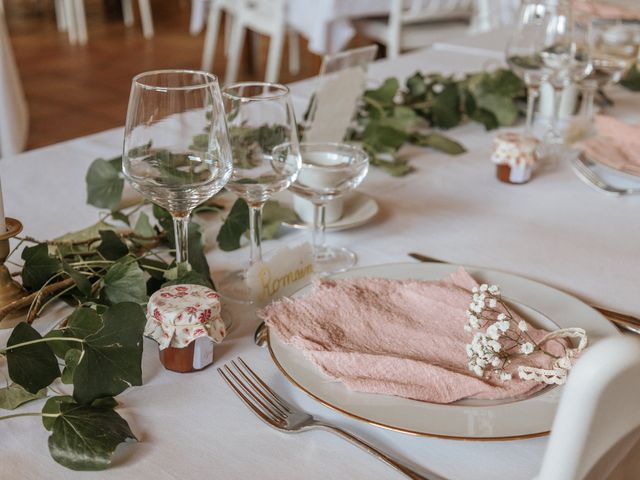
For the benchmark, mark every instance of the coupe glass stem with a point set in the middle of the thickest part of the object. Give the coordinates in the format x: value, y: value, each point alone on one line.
x: 255, y: 227
x: 319, y: 227
x: 589, y: 90
x: 181, y: 232
x: 532, y: 93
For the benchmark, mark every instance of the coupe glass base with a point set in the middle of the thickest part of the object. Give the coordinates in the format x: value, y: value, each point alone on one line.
x: 233, y: 287
x: 333, y: 260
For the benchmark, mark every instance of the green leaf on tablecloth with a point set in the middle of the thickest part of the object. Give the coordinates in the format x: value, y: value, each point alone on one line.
x: 111, y: 246
x: 234, y: 226
x: 416, y: 88
x: 115, y: 351
x: 273, y: 215
x: 445, y: 108
x: 14, y: 395
x: 118, y: 215
x: 125, y: 282
x: 395, y: 167
x: 85, y: 437
x: 105, y: 183
x: 83, y: 235
x: 385, y: 93
x: 383, y: 138
x: 143, y: 226
x: 32, y: 366
x: 439, y: 142
x: 82, y: 282
x: 486, y: 118
x: 631, y: 79
x: 83, y: 322
x: 71, y: 360
x: 52, y: 407
x: 38, y: 266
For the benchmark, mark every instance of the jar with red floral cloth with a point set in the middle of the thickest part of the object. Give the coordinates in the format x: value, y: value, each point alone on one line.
x: 185, y: 321
x: 514, y: 156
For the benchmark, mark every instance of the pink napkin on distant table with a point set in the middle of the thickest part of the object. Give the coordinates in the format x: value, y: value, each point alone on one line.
x: 602, y: 9
x: 616, y: 144
x: 395, y: 337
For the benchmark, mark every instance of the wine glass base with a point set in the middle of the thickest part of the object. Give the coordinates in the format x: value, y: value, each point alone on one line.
x: 233, y: 288
x: 333, y: 260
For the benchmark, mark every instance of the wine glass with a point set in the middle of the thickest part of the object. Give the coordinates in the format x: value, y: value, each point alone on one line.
x: 329, y: 170
x: 266, y: 157
x: 566, y: 53
x: 523, y: 52
x: 176, y: 146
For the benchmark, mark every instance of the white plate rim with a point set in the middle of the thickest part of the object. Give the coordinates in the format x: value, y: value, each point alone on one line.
x: 604, y: 328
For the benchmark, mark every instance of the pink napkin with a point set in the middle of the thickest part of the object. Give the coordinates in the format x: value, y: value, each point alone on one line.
x: 617, y: 144
x: 403, y: 338
x: 602, y: 9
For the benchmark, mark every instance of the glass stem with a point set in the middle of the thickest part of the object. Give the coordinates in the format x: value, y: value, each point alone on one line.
x: 589, y: 99
x: 181, y: 231
x: 319, y: 226
x: 532, y: 95
x: 255, y: 227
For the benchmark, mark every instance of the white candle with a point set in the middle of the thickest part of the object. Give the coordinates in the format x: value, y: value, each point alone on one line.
x: 3, y: 224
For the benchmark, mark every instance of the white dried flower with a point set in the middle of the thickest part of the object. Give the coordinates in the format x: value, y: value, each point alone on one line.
x: 493, y: 289
x: 495, y: 362
x: 522, y: 326
x: 484, y: 287
x: 492, y: 332
x: 493, y: 303
x: 478, y: 370
x: 467, y: 328
x: 503, y: 325
x: 526, y: 348
x: 495, y: 345
x: 505, y: 376
x: 501, y: 316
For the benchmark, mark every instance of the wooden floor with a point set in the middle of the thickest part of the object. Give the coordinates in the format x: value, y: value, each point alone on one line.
x: 74, y: 90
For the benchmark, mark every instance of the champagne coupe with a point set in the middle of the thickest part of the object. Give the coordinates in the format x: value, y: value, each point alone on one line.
x: 176, y: 146
x: 566, y: 53
x: 329, y: 170
x: 613, y: 51
x: 522, y: 52
x: 266, y: 157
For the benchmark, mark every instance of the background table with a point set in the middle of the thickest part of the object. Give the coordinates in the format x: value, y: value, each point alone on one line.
x: 554, y: 229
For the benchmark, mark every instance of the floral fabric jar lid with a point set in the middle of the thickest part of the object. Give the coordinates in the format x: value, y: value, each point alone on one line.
x: 513, y: 149
x: 179, y: 314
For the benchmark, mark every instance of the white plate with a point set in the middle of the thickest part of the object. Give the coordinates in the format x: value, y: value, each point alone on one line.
x: 619, y: 174
x: 467, y: 419
x: 358, y: 210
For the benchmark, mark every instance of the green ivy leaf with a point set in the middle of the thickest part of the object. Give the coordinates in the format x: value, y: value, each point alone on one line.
x: 38, y: 266
x: 631, y: 79
x: 85, y: 437
x: 385, y: 93
x: 71, y: 360
x: 111, y: 246
x: 82, y: 282
x: 236, y: 223
x: 118, y: 215
x: 115, y: 351
x: 273, y: 215
x: 395, y: 167
x: 52, y: 407
x: 143, y: 226
x: 445, y: 108
x: 125, y: 282
x: 439, y: 142
x: 104, y: 183
x: 32, y: 366
x: 383, y: 138
x: 14, y: 395
x: 416, y: 88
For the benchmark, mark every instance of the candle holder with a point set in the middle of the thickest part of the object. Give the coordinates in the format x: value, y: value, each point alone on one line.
x: 10, y: 290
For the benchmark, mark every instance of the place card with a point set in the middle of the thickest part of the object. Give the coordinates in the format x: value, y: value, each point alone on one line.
x: 288, y: 270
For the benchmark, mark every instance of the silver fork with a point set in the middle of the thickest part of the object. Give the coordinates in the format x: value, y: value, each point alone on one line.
x: 281, y: 415
x: 582, y: 167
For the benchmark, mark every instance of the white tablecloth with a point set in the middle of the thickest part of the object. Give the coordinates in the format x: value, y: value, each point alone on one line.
x: 554, y: 229
x: 489, y: 44
x: 14, y: 117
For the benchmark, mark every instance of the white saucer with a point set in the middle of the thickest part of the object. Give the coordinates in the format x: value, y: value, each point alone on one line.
x: 359, y: 209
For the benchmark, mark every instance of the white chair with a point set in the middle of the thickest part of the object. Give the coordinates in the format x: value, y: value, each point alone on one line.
x: 265, y: 17
x: 71, y: 17
x: 418, y: 23
x: 598, y: 420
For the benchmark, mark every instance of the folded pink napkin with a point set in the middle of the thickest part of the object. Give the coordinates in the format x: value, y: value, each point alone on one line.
x: 403, y: 338
x: 616, y: 144
x: 607, y: 9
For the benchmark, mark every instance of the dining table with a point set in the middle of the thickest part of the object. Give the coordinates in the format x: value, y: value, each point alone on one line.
x: 554, y: 230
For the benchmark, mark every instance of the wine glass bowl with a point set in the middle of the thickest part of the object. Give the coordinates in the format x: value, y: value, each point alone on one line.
x: 176, y: 149
x: 329, y: 170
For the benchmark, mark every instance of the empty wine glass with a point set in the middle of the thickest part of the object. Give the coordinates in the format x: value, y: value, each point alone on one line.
x: 329, y: 170
x: 523, y: 52
x: 566, y: 53
x: 266, y: 157
x: 176, y: 148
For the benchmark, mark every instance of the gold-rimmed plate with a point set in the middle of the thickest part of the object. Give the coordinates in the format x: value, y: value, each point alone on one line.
x: 468, y: 419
